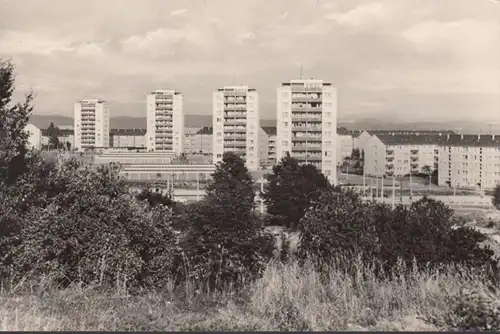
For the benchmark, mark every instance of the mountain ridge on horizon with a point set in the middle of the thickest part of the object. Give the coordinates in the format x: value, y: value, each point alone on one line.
x: 196, y: 121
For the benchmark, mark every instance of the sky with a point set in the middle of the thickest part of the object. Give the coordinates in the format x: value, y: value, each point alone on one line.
x: 389, y: 59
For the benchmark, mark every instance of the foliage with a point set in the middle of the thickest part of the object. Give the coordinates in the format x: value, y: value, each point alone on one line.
x: 86, y: 227
x: 291, y: 190
x: 226, y: 243
x: 496, y: 197
x: 53, y: 133
x: 340, y: 223
x: 155, y: 197
x: 338, y: 226
x: 476, y: 309
x: 13, y: 120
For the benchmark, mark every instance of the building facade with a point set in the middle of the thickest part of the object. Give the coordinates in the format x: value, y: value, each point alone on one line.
x: 271, y: 144
x: 470, y: 161
x: 91, y: 128
x: 307, y: 124
x: 165, y: 122
x: 345, y: 145
x: 128, y: 138
x: 66, y: 137
x: 399, y: 155
x: 34, y: 136
x: 236, y: 124
x: 199, y: 142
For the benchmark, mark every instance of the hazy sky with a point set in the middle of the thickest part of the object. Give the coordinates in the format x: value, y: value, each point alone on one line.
x: 394, y: 59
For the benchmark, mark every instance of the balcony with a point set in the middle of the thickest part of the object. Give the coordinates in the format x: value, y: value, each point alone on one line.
x: 414, y: 165
x: 306, y: 118
x: 389, y: 152
x: 235, y: 136
x: 414, y: 159
x: 306, y: 89
x: 306, y: 138
x: 389, y: 159
x: 235, y: 114
x: 235, y: 130
x: 414, y: 151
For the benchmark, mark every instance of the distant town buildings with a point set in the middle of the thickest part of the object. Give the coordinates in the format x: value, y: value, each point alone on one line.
x: 200, y: 142
x: 91, y: 124
x: 165, y: 121
x: 345, y: 145
x: 307, y: 124
x: 128, y: 138
x: 34, y: 136
x: 399, y: 155
x: 469, y: 161
x: 236, y: 124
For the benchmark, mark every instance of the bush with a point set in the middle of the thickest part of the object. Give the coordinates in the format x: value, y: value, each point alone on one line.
x: 226, y: 243
x: 496, y: 197
x: 87, y: 228
x: 339, y: 225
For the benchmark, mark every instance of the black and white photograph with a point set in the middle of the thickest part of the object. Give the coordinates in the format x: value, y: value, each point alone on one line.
x: 249, y: 165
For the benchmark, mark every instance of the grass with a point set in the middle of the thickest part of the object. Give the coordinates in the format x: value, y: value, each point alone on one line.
x: 285, y: 298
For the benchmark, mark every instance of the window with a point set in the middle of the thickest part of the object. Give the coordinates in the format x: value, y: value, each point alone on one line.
x: 285, y: 124
x: 219, y: 119
x: 285, y: 114
x: 328, y: 114
x: 284, y: 143
x: 219, y: 155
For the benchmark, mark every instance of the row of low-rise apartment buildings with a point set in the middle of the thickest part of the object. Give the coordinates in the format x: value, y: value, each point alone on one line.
x: 463, y: 161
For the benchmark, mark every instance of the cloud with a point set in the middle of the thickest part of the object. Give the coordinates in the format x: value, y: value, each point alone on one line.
x: 17, y: 42
x: 178, y: 12
x: 363, y: 14
x: 401, y: 56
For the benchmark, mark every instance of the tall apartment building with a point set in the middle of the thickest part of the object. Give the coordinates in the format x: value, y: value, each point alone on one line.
x: 91, y: 118
x: 236, y: 124
x: 307, y: 124
x: 165, y: 122
x: 470, y: 161
x: 271, y: 144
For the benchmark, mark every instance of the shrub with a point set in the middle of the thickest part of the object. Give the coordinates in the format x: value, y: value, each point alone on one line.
x: 87, y: 228
x: 471, y: 310
x: 338, y: 225
x: 226, y: 244
x: 291, y: 190
x: 496, y: 197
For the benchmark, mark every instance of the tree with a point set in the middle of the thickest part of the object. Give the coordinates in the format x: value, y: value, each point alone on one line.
x: 13, y: 120
x: 68, y: 146
x: 226, y: 243
x: 291, y: 190
x: 427, y: 170
x: 496, y: 197
x: 53, y: 134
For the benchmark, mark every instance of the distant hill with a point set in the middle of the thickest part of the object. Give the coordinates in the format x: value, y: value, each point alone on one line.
x: 198, y: 121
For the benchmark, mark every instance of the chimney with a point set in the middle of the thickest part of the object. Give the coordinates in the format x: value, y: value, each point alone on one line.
x: 478, y: 137
x: 462, y: 136
x: 448, y: 136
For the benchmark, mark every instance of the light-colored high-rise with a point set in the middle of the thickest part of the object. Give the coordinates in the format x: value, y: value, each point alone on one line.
x: 236, y: 124
x: 307, y: 124
x: 91, y: 124
x: 165, y: 122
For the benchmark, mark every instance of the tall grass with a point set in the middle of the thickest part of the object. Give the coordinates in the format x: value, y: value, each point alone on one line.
x: 287, y: 297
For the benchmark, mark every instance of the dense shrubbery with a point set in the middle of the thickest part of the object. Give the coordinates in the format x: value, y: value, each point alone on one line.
x: 339, y: 223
